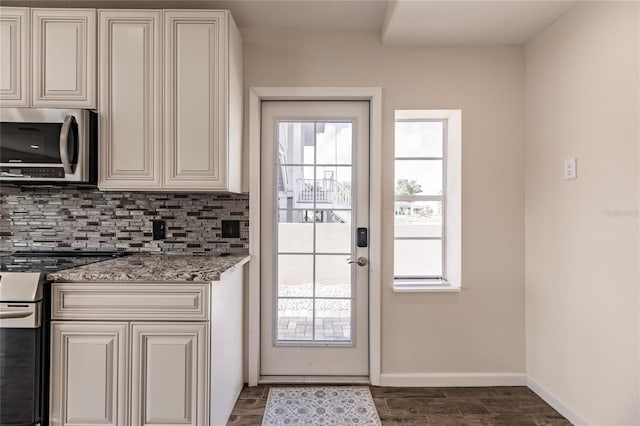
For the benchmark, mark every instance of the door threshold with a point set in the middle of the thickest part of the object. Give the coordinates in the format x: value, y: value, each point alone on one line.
x: 347, y: 380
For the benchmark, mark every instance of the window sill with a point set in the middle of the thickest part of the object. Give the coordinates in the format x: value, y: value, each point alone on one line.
x: 424, y: 286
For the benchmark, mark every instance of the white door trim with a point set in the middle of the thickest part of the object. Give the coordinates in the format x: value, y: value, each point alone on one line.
x: 256, y: 96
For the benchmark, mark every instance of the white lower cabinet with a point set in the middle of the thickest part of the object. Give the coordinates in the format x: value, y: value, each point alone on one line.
x: 146, y: 353
x: 166, y: 380
x: 89, y: 373
x: 168, y: 374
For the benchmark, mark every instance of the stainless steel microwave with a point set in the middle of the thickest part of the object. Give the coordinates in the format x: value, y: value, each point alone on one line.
x: 39, y: 145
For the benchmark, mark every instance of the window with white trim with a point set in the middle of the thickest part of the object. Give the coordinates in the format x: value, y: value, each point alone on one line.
x: 427, y: 200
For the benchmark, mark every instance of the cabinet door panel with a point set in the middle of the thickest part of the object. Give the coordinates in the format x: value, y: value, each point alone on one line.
x: 14, y: 56
x: 169, y: 374
x: 195, y: 95
x: 88, y: 373
x: 130, y: 99
x: 64, y: 58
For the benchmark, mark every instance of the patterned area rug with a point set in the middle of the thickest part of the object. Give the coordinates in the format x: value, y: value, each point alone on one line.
x: 320, y: 405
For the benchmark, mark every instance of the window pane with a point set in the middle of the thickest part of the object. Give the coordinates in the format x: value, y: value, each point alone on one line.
x: 295, y: 319
x: 295, y: 231
x: 333, y: 276
x: 418, y: 219
x: 333, y: 320
x: 419, y: 138
x: 295, y: 142
x: 334, y: 236
x: 334, y: 143
x: 295, y: 275
x: 417, y: 258
x: 418, y: 177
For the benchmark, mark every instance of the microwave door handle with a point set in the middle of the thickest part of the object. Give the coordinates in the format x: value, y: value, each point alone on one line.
x: 64, y: 138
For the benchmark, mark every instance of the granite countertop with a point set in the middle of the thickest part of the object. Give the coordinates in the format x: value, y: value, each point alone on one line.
x: 154, y: 267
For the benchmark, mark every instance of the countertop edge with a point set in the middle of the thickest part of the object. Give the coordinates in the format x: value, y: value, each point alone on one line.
x: 111, y: 277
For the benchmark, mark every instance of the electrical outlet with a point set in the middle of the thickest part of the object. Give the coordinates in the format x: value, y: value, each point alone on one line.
x: 230, y: 229
x: 159, y: 230
x: 570, y: 171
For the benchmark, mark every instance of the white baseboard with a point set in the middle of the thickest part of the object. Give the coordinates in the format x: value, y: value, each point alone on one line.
x: 558, y: 405
x: 452, y: 379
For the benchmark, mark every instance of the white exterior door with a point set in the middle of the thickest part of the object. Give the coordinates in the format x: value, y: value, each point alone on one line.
x: 315, y: 196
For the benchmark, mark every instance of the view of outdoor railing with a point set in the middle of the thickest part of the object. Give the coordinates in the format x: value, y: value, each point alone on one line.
x: 325, y: 191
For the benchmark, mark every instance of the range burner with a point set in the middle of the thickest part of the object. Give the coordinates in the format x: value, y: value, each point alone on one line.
x: 53, y: 261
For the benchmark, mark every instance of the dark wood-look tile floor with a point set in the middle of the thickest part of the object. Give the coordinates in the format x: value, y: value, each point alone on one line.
x: 508, y: 406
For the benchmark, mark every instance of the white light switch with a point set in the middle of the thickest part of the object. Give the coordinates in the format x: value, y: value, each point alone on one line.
x: 570, y: 171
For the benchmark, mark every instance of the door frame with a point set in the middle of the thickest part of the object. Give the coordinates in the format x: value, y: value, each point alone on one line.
x: 256, y: 96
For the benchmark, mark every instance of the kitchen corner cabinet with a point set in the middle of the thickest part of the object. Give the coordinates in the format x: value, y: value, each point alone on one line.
x: 146, y: 353
x: 199, y: 146
x: 48, y: 58
x: 14, y: 56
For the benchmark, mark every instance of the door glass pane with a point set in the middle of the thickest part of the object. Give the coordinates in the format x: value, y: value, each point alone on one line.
x: 314, y: 220
x: 334, y: 143
x: 419, y: 138
x: 418, y: 177
x: 418, y: 219
x: 333, y: 319
x: 333, y: 187
x: 334, y: 234
x: 295, y: 142
x: 295, y: 231
x: 295, y: 319
x: 295, y: 275
x: 418, y: 258
x: 333, y: 276
x: 295, y: 187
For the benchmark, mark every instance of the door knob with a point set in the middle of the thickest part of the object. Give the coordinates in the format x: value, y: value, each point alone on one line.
x: 362, y: 261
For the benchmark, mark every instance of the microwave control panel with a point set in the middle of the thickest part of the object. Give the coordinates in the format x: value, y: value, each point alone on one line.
x: 32, y: 172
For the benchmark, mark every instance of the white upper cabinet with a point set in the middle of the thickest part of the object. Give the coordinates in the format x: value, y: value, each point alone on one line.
x: 130, y: 99
x: 200, y: 47
x: 47, y: 58
x: 201, y: 138
x: 14, y: 57
x: 63, y: 58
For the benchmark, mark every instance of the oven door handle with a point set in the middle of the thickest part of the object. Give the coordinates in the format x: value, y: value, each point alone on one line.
x: 14, y: 314
x: 64, y: 142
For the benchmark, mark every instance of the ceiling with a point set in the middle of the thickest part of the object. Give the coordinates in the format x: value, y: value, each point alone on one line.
x: 408, y: 22
x: 411, y: 22
x: 401, y: 22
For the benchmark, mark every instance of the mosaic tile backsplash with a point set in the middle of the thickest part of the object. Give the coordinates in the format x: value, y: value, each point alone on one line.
x: 74, y: 218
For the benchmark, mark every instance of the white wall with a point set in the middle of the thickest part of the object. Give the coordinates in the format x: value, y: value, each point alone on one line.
x: 480, y: 329
x: 582, y: 236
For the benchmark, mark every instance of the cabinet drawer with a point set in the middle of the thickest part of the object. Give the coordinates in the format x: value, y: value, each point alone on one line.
x: 148, y: 301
